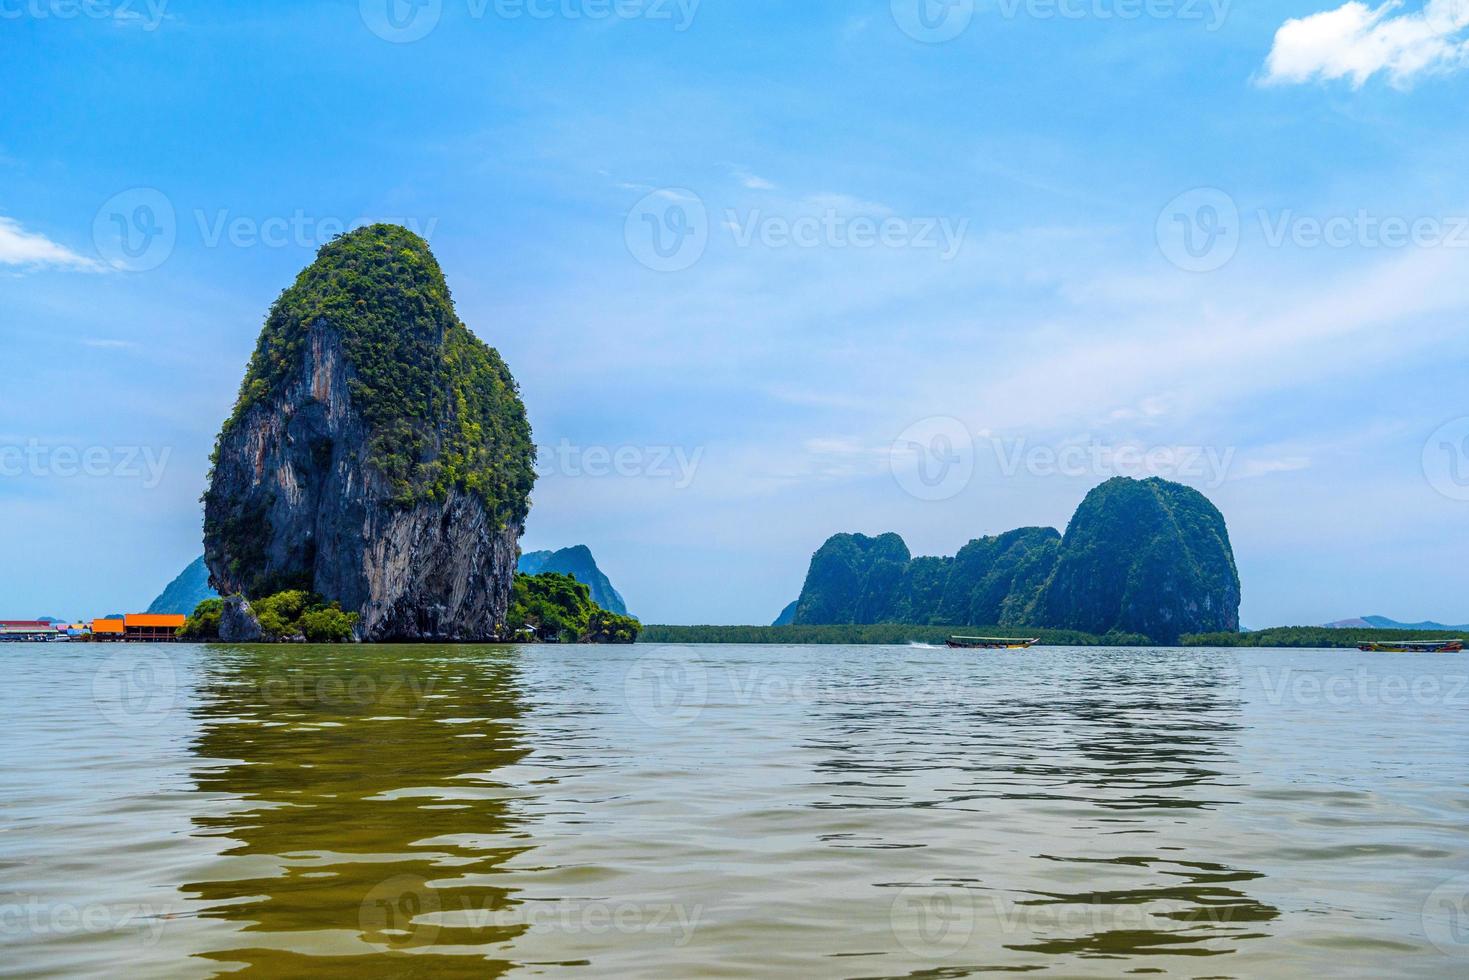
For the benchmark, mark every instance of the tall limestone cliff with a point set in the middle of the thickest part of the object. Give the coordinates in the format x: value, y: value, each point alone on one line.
x: 1144, y: 557
x: 378, y: 455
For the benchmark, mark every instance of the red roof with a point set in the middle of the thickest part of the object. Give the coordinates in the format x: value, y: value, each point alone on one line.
x: 27, y: 624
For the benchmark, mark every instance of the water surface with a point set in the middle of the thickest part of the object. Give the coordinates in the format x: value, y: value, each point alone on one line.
x: 182, y: 811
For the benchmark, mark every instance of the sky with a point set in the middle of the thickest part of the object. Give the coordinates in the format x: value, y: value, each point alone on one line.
x: 769, y: 271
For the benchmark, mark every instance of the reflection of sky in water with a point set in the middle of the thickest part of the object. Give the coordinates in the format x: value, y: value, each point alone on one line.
x: 670, y: 812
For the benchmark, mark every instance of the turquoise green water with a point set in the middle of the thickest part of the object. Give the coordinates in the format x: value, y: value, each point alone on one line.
x: 731, y: 811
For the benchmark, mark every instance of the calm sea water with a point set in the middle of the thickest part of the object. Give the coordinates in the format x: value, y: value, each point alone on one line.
x: 731, y: 811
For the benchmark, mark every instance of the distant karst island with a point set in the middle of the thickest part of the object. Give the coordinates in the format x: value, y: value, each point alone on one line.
x: 1144, y: 558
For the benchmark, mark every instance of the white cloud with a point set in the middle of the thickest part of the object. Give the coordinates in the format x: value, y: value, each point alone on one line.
x: 1356, y: 41
x: 29, y: 249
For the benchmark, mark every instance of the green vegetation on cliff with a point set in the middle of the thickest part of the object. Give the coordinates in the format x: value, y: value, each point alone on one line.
x: 577, y: 561
x: 1144, y: 556
x: 441, y: 407
x: 203, y: 622
x: 559, y: 609
x: 291, y: 615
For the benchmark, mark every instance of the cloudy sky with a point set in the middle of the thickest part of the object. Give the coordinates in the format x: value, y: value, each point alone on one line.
x: 769, y: 271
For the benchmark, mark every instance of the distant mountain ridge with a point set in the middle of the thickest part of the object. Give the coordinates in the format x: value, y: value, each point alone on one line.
x: 576, y: 561
x: 1142, y: 557
x: 1383, y: 623
x: 190, y: 588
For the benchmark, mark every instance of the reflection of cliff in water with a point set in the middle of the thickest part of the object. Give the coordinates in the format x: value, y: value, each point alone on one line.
x: 357, y: 785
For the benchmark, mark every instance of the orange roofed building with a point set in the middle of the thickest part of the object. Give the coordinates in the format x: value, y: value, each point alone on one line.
x: 108, y: 629
x: 139, y: 628
x: 152, y: 627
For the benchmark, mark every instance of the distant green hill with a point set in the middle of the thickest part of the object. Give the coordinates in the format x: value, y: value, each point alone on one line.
x: 576, y: 561
x: 1383, y: 623
x: 185, y: 592
x: 1142, y: 557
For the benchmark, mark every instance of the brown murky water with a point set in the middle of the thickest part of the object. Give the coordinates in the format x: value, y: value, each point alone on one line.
x: 731, y: 811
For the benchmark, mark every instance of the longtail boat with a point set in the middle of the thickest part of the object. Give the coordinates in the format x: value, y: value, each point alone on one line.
x: 989, y: 643
x: 1414, y: 646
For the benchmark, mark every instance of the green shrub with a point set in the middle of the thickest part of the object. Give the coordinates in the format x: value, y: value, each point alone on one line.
x: 296, y: 613
x: 203, y: 623
x: 559, y: 609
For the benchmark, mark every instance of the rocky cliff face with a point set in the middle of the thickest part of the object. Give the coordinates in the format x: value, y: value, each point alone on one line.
x: 1145, y: 557
x: 379, y: 454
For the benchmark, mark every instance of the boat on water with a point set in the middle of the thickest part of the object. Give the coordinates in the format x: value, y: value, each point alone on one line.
x: 989, y: 643
x: 1414, y: 646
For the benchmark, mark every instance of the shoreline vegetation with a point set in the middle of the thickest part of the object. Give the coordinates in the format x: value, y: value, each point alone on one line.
x: 890, y: 634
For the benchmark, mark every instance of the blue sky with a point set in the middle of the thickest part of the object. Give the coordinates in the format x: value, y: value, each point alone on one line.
x: 1046, y: 241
